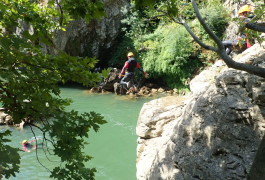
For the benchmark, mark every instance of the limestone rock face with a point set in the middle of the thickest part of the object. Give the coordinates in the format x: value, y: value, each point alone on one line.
x: 212, y: 133
x: 155, y: 114
x: 93, y: 39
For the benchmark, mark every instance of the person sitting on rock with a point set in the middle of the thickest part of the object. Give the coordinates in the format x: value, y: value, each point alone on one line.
x: 128, y: 70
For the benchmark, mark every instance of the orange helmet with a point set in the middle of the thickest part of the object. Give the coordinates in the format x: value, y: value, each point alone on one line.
x: 245, y: 8
x: 130, y: 54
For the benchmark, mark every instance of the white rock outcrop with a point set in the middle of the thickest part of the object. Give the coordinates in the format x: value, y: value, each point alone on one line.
x: 212, y: 133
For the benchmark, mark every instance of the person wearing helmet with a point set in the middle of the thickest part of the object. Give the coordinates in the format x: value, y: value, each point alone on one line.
x: 128, y: 70
x: 245, y: 13
x: 28, y: 145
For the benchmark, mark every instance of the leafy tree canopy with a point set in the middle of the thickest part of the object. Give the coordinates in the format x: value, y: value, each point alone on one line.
x: 29, y: 78
x: 165, y: 49
x: 173, y: 9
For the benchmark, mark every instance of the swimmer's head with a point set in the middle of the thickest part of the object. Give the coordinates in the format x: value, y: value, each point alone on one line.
x: 24, y: 142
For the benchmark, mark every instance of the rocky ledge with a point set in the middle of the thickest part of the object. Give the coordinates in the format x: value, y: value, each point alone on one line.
x: 211, y: 133
x: 7, y: 120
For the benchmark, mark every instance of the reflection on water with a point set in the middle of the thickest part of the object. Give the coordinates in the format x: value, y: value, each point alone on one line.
x: 113, y: 147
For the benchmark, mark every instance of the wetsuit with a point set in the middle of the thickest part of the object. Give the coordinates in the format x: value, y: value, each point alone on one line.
x: 129, y: 67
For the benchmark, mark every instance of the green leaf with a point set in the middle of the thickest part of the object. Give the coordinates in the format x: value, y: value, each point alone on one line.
x: 30, y: 77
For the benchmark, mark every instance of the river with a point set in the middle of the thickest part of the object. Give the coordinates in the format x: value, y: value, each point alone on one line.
x: 113, y: 148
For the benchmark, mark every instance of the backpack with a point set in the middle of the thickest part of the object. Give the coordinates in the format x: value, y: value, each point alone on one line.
x: 132, y: 64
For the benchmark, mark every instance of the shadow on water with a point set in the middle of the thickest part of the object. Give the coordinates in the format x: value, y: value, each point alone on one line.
x: 72, y: 85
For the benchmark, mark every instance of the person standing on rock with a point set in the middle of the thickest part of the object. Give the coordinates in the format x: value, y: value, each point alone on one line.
x: 128, y: 70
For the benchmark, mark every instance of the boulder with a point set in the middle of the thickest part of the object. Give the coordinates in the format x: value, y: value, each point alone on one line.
x: 212, y: 133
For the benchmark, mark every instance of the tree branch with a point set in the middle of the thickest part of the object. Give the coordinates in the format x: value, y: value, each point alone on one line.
x: 205, y: 27
x: 61, y: 11
x: 260, y: 27
x: 37, y: 149
x: 221, y: 51
x: 205, y: 46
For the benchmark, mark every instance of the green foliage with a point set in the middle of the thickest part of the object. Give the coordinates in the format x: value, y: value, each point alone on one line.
x: 87, y: 9
x: 29, y: 78
x: 9, y: 157
x: 216, y: 16
x: 134, y: 27
x: 259, y: 17
x: 168, y: 55
x: 68, y: 129
x: 118, y: 56
x: 141, y: 3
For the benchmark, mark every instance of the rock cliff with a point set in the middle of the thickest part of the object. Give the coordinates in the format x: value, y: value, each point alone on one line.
x: 212, y: 133
x: 95, y: 38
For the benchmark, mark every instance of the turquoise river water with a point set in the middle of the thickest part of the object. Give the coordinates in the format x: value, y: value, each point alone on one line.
x: 113, y: 148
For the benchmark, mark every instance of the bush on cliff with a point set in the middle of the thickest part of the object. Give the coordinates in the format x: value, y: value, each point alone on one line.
x: 165, y: 49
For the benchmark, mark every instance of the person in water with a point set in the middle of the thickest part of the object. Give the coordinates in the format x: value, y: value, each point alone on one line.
x: 28, y: 145
x: 128, y: 70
